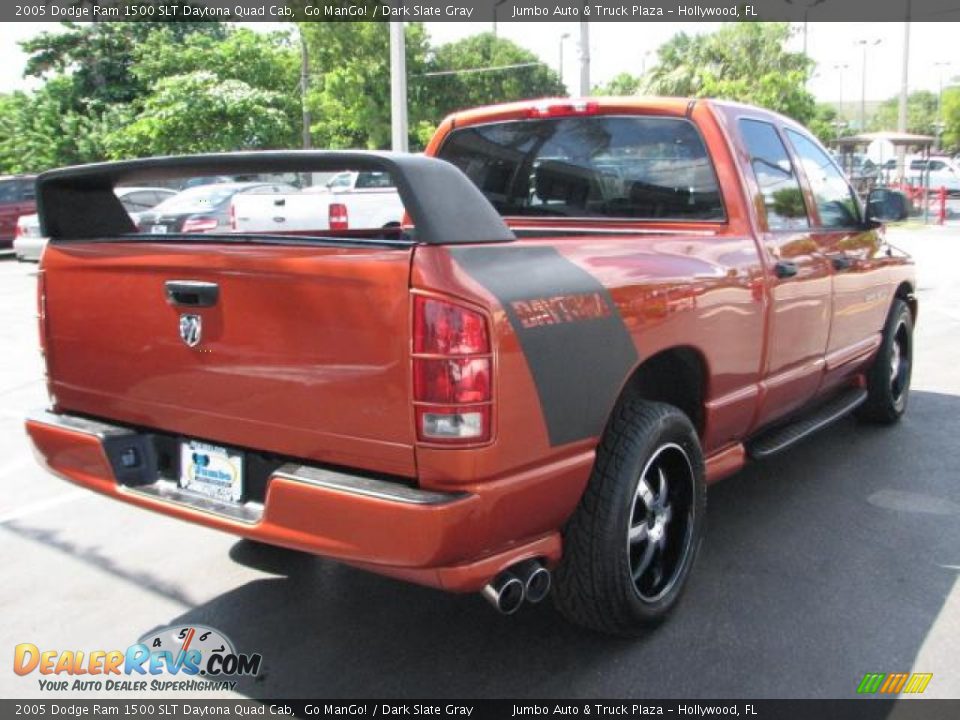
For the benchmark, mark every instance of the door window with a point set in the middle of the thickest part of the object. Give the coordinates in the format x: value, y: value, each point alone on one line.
x: 782, y: 196
x: 837, y: 204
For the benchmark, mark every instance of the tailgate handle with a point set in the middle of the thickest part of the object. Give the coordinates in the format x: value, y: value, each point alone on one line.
x: 194, y: 293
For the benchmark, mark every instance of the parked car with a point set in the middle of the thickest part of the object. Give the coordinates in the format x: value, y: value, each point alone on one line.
x: 16, y: 199
x: 601, y: 306
x: 29, y: 243
x: 354, y: 200
x: 942, y: 172
x: 203, y: 209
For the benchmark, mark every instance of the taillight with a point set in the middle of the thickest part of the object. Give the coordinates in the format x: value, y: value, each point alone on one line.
x: 199, y: 224
x: 563, y: 109
x: 337, y: 217
x: 19, y: 232
x: 452, y: 372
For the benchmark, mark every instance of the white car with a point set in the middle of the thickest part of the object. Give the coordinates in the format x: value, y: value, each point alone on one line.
x: 28, y: 243
x: 944, y: 173
x: 349, y: 201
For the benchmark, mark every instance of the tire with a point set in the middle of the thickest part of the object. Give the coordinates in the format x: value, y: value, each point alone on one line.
x: 619, y: 529
x: 888, y: 379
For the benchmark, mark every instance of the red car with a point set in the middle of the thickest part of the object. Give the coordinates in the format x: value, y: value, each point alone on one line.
x: 16, y: 198
x: 596, y: 308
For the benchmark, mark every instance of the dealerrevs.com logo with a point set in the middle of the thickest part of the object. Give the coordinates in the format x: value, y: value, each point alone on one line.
x: 175, y: 658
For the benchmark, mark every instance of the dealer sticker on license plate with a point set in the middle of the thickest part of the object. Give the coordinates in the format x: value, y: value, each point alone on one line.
x: 211, y: 470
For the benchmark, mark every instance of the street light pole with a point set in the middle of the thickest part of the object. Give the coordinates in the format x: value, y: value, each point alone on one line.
x: 840, y: 69
x: 398, y: 88
x: 863, y: 80
x: 940, y: 124
x: 560, y: 65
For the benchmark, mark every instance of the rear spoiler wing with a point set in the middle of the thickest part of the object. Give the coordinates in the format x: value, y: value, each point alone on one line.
x: 78, y: 203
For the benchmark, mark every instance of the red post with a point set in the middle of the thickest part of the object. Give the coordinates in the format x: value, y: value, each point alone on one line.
x: 942, y: 214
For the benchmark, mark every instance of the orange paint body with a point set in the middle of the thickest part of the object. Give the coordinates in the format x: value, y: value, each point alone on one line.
x: 308, y: 356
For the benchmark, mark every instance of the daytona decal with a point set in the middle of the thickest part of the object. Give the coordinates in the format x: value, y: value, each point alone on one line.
x: 576, y: 345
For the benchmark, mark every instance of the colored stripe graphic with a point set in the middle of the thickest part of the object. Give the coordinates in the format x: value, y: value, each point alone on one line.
x: 894, y: 683
x: 918, y: 682
x: 871, y: 683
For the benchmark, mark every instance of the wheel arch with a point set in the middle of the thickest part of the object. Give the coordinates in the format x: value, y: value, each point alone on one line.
x: 677, y: 376
x: 905, y: 292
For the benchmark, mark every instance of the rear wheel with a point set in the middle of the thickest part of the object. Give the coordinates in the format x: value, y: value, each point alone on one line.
x: 630, y: 544
x: 888, y: 380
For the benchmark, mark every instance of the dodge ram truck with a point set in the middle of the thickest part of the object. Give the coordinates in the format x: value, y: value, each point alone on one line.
x: 593, y: 309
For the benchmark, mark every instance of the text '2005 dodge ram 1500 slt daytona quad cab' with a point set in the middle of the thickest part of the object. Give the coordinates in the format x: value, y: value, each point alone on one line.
x: 594, y: 309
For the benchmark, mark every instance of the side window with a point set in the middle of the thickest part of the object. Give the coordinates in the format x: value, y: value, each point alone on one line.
x: 837, y: 204
x: 137, y: 202
x: 8, y: 191
x: 368, y: 180
x: 27, y: 190
x: 778, y: 183
x: 340, y: 181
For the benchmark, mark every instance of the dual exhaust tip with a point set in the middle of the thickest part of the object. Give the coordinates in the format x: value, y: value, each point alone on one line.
x: 528, y: 580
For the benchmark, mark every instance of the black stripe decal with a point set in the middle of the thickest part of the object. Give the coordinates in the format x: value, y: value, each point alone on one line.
x: 576, y: 345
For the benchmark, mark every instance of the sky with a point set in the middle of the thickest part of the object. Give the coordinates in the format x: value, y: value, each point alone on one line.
x: 619, y: 47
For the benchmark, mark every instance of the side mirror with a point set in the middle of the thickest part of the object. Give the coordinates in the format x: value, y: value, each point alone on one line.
x: 885, y: 205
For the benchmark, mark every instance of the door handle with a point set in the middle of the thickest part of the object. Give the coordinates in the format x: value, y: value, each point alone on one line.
x: 841, y: 262
x: 785, y: 269
x: 193, y: 293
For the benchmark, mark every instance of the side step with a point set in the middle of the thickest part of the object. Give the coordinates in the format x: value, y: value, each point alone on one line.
x: 782, y: 437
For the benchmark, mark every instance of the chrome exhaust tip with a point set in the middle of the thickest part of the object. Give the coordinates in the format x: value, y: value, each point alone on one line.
x: 505, y: 593
x: 535, y: 578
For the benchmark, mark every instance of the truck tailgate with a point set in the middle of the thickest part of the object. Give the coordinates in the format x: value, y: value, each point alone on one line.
x: 304, y: 353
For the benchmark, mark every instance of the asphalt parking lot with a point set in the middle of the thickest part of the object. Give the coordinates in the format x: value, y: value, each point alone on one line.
x: 834, y: 559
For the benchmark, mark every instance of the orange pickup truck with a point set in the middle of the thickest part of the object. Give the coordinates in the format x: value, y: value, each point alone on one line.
x: 593, y: 309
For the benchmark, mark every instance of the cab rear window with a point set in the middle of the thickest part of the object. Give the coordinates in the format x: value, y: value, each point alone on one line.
x: 638, y: 168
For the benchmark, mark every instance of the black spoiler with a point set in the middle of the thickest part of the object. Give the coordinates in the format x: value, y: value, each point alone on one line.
x: 79, y: 203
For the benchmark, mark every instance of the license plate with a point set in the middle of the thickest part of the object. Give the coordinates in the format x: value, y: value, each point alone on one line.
x: 211, y: 470
x: 158, y: 230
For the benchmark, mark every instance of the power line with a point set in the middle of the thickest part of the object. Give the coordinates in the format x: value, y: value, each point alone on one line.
x: 468, y: 71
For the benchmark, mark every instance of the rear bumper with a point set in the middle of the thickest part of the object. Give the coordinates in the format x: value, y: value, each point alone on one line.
x: 457, y: 541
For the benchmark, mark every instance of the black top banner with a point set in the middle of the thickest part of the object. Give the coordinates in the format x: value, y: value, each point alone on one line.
x: 482, y: 10
x: 177, y: 709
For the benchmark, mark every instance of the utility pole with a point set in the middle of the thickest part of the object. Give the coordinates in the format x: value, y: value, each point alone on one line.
x: 304, y: 88
x: 560, y: 66
x: 584, y: 58
x: 863, y: 81
x: 398, y: 88
x: 902, y: 108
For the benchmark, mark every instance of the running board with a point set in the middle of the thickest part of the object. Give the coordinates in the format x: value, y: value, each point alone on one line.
x: 782, y: 437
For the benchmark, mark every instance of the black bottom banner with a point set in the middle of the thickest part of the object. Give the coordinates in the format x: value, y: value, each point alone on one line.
x: 859, y: 709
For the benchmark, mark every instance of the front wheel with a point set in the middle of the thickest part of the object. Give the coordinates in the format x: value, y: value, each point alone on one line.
x: 888, y: 380
x: 632, y: 540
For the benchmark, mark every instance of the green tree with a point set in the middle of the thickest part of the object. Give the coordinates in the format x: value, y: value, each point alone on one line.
x: 951, y: 118
x: 97, y: 57
x: 823, y: 124
x: 41, y: 130
x: 921, y: 113
x: 209, y: 94
x: 622, y: 84
x: 745, y: 62
x: 200, y: 112
x: 465, y: 88
x: 350, y: 75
